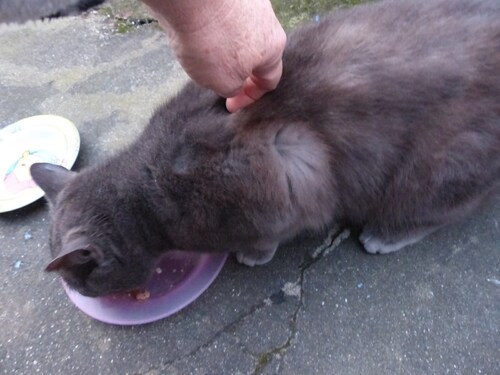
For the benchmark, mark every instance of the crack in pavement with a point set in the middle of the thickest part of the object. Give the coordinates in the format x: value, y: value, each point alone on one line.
x: 334, y: 238
x: 292, y: 289
x: 227, y: 328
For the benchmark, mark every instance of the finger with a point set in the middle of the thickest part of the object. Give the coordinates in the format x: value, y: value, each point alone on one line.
x: 247, y: 95
x: 238, y: 102
x: 268, y: 76
x: 254, y: 88
x: 225, y: 91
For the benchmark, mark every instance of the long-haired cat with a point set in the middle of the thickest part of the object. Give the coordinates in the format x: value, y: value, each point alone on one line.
x: 387, y: 118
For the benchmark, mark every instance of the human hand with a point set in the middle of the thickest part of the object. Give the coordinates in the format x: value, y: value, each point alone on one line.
x: 232, y: 47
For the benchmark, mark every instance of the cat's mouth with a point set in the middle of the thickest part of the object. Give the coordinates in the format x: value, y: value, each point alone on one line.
x: 84, y: 289
x: 88, y: 293
x: 80, y: 289
x: 138, y: 293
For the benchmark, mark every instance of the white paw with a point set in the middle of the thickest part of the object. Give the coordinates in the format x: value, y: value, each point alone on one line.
x: 374, y: 245
x: 255, y: 258
x: 245, y: 259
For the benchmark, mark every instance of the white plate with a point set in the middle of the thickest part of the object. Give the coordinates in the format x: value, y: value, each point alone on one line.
x: 44, y: 138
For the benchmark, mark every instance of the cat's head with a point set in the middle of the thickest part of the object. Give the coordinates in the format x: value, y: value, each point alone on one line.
x: 87, y: 243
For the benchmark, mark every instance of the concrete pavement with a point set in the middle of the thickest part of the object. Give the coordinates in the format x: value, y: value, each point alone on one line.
x: 431, y: 309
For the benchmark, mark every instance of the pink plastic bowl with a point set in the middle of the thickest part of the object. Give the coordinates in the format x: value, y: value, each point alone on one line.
x: 179, y: 278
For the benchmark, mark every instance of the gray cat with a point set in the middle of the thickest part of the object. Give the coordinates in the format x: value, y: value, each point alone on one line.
x: 387, y: 118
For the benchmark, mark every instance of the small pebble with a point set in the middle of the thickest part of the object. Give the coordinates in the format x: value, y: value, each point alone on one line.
x: 17, y: 264
x: 158, y: 270
x: 494, y: 281
x: 27, y: 235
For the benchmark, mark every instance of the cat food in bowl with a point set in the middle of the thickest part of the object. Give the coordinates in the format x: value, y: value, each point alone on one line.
x: 141, y: 295
x: 178, y: 279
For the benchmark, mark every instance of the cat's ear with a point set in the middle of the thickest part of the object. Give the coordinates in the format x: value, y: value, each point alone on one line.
x: 51, y: 178
x: 76, y: 253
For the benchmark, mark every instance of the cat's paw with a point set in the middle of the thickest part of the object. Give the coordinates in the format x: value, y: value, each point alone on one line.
x: 375, y: 245
x: 255, y: 258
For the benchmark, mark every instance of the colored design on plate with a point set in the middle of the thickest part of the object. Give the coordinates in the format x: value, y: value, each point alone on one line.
x: 18, y: 178
x: 43, y: 138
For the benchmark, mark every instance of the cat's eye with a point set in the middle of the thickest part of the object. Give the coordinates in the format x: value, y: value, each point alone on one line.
x: 85, y: 253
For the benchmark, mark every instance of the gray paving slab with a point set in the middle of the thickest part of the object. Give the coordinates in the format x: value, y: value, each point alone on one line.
x: 432, y: 309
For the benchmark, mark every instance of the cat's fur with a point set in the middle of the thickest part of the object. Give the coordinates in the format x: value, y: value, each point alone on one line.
x: 387, y: 118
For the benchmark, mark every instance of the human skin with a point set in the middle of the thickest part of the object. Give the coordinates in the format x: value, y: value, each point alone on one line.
x: 233, y: 47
